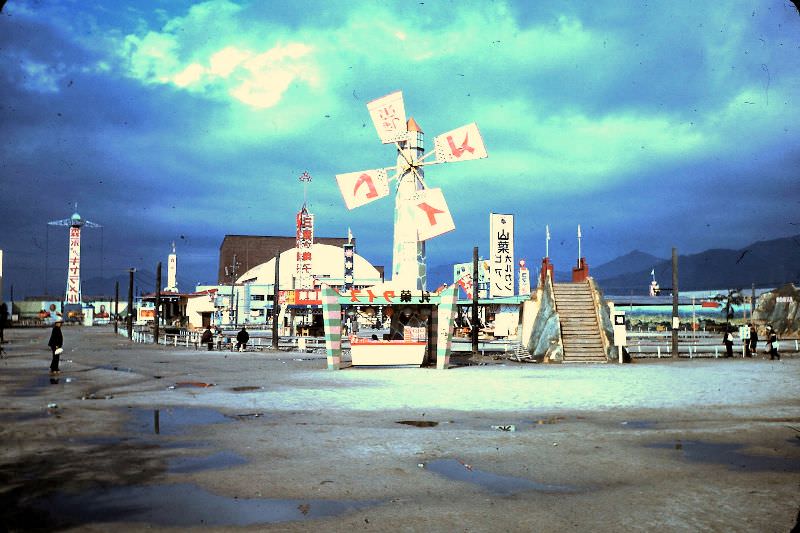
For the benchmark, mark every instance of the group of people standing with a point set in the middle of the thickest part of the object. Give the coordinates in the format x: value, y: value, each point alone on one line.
x: 242, y: 339
x: 751, y: 342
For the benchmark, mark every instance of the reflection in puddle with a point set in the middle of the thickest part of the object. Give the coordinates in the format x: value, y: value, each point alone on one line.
x: 114, y: 367
x: 639, y: 424
x: 419, y: 423
x: 173, y: 420
x: 186, y: 505
x: 729, y: 454
x: 185, y: 465
x: 454, y: 469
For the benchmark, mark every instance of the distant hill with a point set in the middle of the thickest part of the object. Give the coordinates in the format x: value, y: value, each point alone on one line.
x: 632, y: 262
x: 765, y: 263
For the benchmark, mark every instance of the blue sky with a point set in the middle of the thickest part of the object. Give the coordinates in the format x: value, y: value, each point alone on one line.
x: 651, y: 124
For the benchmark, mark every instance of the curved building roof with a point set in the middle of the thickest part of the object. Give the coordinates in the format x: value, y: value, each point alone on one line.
x: 327, y: 264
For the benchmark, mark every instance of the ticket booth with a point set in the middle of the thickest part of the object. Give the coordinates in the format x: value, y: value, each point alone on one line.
x: 420, y: 328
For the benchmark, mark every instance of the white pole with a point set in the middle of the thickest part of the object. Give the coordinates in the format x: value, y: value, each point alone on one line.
x: 659, y: 352
x: 620, y: 353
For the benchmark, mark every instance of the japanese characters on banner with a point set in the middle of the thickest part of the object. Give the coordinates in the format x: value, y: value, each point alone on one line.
x: 501, y: 246
x: 305, y: 241
x: 524, y: 278
x: 431, y: 215
x: 460, y: 144
x: 349, y: 256
x: 388, y: 113
x: 359, y: 188
x: 74, y: 268
x: 172, y: 271
x: 300, y: 297
x: 462, y: 276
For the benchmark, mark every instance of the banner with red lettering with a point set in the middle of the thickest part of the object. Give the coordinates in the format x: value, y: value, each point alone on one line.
x: 388, y: 113
x: 431, y: 215
x: 359, y: 188
x: 460, y: 144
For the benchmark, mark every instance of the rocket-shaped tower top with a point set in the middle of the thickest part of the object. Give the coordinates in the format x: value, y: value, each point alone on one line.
x: 75, y: 222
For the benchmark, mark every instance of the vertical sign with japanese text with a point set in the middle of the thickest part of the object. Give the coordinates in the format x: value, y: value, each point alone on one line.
x: 305, y: 242
x: 524, y: 279
x: 349, y: 257
x: 501, y: 246
x: 74, y: 268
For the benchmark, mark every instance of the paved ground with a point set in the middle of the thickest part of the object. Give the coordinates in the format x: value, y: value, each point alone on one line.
x: 134, y: 441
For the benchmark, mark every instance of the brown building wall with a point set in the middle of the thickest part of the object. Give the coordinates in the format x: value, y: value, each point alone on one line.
x: 253, y: 250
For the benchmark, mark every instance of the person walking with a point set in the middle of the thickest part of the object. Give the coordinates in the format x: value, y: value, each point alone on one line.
x: 727, y: 340
x: 3, y: 315
x: 55, y: 343
x: 753, y: 342
x: 772, y: 341
x: 207, y: 338
x: 241, y: 339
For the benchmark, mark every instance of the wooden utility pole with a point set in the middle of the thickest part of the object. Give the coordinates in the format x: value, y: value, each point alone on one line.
x: 130, y: 304
x: 116, y: 306
x: 276, y: 308
x: 675, y: 322
x: 158, y: 302
x: 475, y: 319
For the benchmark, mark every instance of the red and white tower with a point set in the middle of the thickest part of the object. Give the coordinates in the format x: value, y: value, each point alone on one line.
x: 75, y: 223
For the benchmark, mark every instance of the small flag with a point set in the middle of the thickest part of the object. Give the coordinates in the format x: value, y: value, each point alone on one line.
x: 547, y: 230
x: 579, y: 231
x: 653, y: 272
x: 349, y: 236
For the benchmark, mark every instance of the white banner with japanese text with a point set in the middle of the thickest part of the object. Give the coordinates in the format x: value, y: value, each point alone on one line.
x: 501, y: 247
x: 388, y: 113
x: 74, y: 269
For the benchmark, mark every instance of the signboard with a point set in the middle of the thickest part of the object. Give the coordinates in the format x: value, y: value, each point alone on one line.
x: 305, y: 241
x: 431, y: 215
x: 386, y: 297
x: 501, y: 246
x: 172, y: 271
x: 620, y: 334
x: 524, y: 278
x: 349, y: 253
x: 388, y: 114
x: 460, y: 144
x: 74, y: 266
x: 462, y: 276
x: 359, y: 188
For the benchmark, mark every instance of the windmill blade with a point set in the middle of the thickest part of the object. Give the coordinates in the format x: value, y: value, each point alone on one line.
x: 389, y: 116
x: 431, y: 215
x: 461, y: 144
x: 359, y: 188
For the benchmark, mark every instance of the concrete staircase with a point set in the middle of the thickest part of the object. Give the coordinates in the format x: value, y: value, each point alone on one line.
x: 580, y: 332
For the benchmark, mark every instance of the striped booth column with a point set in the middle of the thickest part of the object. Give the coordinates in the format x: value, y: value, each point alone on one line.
x: 332, y: 318
x: 444, y: 335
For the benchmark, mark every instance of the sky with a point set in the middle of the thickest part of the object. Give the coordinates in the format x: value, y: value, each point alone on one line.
x: 651, y: 124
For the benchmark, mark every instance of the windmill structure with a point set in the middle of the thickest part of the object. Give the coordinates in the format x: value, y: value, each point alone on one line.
x: 421, y: 212
x: 75, y: 223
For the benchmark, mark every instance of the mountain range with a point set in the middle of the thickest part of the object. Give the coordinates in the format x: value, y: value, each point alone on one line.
x: 768, y: 263
x: 764, y: 264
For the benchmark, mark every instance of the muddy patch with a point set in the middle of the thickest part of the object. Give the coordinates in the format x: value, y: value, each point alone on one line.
x: 184, y: 505
x: 419, y: 423
x: 497, y: 484
x: 728, y: 454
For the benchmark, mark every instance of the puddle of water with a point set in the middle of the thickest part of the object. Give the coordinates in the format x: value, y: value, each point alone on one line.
x: 191, y: 384
x: 115, y: 367
x: 185, y: 465
x: 456, y: 470
x: 171, y: 421
x: 36, y: 385
x: 728, y: 454
x: 639, y: 424
x: 185, y: 505
x: 419, y: 423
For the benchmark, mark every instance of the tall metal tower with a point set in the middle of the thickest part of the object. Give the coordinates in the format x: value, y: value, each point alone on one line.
x: 75, y: 223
